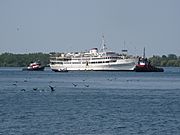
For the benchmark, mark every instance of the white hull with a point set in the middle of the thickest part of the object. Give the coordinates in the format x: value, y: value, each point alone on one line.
x: 120, y: 65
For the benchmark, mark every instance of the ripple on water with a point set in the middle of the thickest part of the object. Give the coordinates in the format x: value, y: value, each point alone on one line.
x: 110, y: 105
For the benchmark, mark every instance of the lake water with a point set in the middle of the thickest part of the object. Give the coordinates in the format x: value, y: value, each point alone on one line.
x: 89, y: 103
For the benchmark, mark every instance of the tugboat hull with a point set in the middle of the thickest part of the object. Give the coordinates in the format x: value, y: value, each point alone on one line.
x: 148, y: 69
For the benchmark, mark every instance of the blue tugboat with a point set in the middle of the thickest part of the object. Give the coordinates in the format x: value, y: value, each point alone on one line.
x: 34, y: 66
x: 145, y: 66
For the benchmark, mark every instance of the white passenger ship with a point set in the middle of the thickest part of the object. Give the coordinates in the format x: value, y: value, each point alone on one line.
x: 94, y: 60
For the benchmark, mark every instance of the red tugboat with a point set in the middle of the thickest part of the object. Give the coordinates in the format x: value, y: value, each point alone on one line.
x: 34, y: 66
x: 145, y: 66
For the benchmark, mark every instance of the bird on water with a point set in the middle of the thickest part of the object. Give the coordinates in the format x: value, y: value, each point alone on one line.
x: 74, y: 84
x: 52, y: 88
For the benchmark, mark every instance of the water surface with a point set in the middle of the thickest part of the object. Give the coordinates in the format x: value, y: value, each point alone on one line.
x: 94, y: 103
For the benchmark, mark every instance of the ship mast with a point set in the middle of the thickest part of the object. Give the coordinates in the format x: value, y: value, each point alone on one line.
x: 124, y: 51
x: 103, y: 45
x: 144, y: 55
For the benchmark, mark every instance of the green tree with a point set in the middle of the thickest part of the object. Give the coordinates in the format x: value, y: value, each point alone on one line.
x: 21, y: 60
x: 172, y: 57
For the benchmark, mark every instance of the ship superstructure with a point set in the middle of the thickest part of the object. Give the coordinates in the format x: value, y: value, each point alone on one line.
x: 95, y: 60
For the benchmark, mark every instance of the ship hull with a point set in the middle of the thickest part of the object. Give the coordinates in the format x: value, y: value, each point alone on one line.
x: 33, y: 69
x: 120, y: 65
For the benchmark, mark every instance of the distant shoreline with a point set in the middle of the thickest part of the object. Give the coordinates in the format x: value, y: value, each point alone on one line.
x: 22, y: 60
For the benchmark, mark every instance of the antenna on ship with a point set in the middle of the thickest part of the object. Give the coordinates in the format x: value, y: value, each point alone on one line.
x: 144, y: 55
x: 124, y: 44
x: 124, y: 51
x: 103, y: 44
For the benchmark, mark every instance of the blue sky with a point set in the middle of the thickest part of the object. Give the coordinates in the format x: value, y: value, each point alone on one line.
x: 76, y: 25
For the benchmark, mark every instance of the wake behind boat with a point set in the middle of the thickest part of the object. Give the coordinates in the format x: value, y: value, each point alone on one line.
x: 94, y: 60
x: 34, y: 66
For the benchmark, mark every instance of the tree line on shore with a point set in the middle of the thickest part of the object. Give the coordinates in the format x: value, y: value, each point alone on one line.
x: 170, y: 60
x: 22, y: 60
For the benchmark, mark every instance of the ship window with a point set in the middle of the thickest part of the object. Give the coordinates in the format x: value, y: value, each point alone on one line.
x: 67, y: 63
x: 59, y: 62
x: 56, y: 63
x: 113, y: 61
x: 76, y: 62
